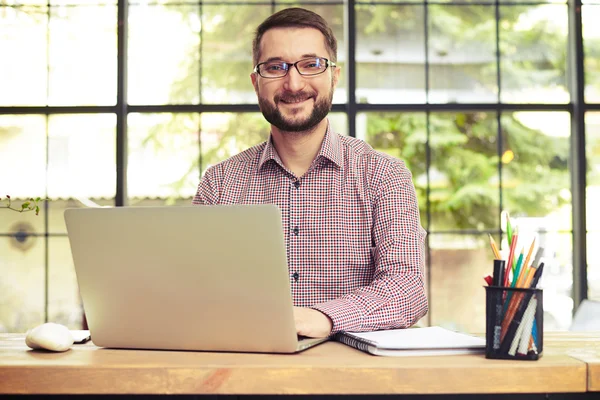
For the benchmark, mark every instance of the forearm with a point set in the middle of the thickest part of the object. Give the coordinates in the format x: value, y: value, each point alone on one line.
x: 391, y: 302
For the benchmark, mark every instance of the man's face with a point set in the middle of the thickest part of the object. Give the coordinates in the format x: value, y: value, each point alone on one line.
x: 294, y: 103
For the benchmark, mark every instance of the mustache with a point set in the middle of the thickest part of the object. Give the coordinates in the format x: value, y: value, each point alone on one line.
x: 293, y: 97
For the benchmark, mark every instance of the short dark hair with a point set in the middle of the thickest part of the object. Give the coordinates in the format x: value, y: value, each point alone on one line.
x: 295, y: 17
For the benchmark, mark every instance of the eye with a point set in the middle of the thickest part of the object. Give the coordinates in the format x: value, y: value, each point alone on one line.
x: 313, y: 64
x: 275, y: 67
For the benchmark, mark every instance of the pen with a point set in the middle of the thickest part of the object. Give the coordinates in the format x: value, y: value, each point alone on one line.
x: 518, y: 317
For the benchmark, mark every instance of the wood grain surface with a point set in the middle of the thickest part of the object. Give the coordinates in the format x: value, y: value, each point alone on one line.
x: 330, y: 368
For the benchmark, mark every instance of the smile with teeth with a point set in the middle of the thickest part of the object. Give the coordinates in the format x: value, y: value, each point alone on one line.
x: 294, y: 101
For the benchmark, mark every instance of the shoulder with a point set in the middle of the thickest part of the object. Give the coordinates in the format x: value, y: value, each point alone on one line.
x: 378, y: 166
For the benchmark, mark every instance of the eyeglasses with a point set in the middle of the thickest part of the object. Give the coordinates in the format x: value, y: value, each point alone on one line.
x: 306, y: 66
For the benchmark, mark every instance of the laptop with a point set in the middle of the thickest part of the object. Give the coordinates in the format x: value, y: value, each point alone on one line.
x: 204, y: 278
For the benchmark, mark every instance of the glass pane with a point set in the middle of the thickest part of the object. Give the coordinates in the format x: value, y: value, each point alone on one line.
x: 464, y: 171
x: 390, y: 54
x: 22, y: 163
x: 81, y: 156
x: 556, y: 249
x: 533, y: 45
x: 535, y: 168
x: 334, y: 15
x: 462, y: 54
x: 592, y: 146
x: 83, y: 55
x: 458, y: 265
x: 557, y: 279
x: 593, y: 268
x: 21, y: 282
x: 227, y: 36
x: 227, y: 134
x: 57, y: 207
x: 339, y: 122
x: 164, y: 63
x: 591, y: 42
x: 400, y: 135
x: 82, y: 2
x: 24, y: 79
x: 64, y: 303
x: 163, y: 155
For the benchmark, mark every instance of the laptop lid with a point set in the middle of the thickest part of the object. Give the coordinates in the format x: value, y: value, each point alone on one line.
x: 209, y: 278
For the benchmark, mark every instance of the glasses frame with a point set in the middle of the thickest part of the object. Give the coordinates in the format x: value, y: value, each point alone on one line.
x: 328, y: 64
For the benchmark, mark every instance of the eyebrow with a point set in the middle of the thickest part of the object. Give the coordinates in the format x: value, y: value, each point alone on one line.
x: 281, y: 59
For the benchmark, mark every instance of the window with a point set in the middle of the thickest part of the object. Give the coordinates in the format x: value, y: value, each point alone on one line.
x: 476, y: 96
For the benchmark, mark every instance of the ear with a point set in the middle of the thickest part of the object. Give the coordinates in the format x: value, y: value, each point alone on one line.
x: 336, y: 76
x: 254, y: 79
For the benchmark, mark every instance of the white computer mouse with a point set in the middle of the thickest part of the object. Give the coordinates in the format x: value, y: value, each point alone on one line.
x: 49, y: 336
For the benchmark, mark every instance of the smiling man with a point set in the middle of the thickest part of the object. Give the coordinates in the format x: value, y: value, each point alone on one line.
x: 355, y: 245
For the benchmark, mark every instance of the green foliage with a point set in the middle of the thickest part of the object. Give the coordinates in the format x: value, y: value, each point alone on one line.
x: 30, y: 205
x: 465, y: 159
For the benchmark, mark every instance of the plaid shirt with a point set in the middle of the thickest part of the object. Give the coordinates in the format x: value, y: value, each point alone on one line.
x: 355, y: 245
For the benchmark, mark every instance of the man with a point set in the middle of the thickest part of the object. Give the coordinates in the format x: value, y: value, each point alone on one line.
x: 350, y: 215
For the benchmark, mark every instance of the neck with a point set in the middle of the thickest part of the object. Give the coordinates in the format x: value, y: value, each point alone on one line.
x: 297, y: 150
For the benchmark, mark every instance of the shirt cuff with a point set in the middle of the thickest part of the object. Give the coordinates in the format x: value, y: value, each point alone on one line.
x: 344, y: 314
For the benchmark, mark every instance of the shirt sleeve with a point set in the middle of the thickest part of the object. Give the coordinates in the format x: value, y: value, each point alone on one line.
x: 396, y: 297
x: 208, y: 188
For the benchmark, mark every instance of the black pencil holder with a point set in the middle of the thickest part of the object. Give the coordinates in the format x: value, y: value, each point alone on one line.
x: 514, y: 323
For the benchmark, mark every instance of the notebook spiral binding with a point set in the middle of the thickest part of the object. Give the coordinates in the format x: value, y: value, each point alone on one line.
x: 359, y: 344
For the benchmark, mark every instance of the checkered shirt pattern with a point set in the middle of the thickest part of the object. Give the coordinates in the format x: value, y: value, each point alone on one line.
x: 355, y: 246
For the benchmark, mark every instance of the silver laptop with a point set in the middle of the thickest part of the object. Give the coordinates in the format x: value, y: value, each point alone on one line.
x: 211, y: 278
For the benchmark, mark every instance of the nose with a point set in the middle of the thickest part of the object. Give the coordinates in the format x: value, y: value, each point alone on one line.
x: 294, y: 82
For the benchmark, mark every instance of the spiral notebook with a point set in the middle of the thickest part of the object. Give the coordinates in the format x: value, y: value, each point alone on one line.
x: 430, y: 341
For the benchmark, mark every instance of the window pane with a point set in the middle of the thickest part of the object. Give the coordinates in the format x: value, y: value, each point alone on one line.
x: 535, y: 168
x: 81, y: 156
x: 400, y: 135
x: 557, y: 278
x: 464, y: 171
x: 592, y: 146
x: 390, y: 54
x: 21, y: 282
x: 164, y: 64
x: 458, y: 265
x: 227, y: 52
x: 339, y: 122
x: 83, y: 55
x: 226, y: 134
x: 334, y: 15
x: 591, y: 42
x: 22, y: 145
x: 593, y: 269
x: 533, y: 45
x: 163, y: 155
x: 64, y: 303
x: 24, y: 79
x: 462, y: 54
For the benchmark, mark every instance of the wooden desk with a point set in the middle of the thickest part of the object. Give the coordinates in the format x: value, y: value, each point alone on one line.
x: 584, y: 346
x: 330, y: 368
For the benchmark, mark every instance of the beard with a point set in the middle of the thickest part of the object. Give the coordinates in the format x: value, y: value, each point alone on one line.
x: 273, y: 115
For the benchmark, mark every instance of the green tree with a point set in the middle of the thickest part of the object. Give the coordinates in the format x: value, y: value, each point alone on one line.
x: 464, y: 183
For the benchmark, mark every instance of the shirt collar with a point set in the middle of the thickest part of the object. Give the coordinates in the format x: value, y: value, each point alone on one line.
x: 331, y: 149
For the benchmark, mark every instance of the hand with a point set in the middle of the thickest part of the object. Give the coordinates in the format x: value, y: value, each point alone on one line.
x: 312, y: 323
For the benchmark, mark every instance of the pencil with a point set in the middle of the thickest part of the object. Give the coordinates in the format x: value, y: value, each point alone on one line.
x: 509, y: 231
x: 494, y: 248
x: 526, y: 264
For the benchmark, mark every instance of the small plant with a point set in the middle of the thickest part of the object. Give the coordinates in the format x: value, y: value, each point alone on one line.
x: 30, y: 205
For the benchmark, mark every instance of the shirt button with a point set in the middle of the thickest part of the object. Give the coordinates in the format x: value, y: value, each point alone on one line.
x: 297, y: 184
x: 296, y: 231
x: 296, y: 276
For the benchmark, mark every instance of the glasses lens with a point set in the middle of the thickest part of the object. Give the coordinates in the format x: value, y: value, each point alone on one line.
x: 312, y: 66
x: 273, y: 69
